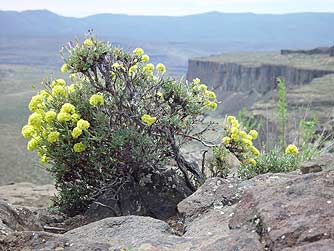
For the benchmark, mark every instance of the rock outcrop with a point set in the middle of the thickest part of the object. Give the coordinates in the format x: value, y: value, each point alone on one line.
x: 227, y: 77
x: 289, y: 212
x: 315, y: 51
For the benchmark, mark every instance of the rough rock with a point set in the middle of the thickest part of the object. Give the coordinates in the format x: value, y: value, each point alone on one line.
x: 16, y: 219
x: 214, y: 193
x: 289, y: 214
x: 42, y: 241
x: 127, y: 231
x: 157, y: 198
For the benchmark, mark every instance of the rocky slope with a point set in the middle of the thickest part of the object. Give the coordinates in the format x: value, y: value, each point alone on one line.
x: 290, y: 212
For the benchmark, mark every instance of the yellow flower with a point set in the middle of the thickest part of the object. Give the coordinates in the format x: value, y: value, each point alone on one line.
x: 235, y: 124
x: 251, y: 161
x: 50, y: 116
x: 253, y: 133
x: 96, y: 99
x: 230, y: 119
x: 32, y: 144
x: 148, y: 120
x: 27, y: 131
x: 44, y: 93
x: 210, y: 94
x: 36, y: 103
x: 63, y: 117
x: 64, y: 68
x: 71, y: 88
x: 255, y: 151
x: 133, y: 68
x: 145, y: 58
x: 35, y: 119
x: 161, y: 68
x: 160, y: 95
x: 138, y: 51
x: 235, y: 137
x: 83, y: 124
x: 88, y: 42
x: 202, y: 87
x: 213, y: 106
x: 43, y: 159
x: 58, y: 90
x: 242, y: 134
x: 226, y: 140
x: 148, y: 68
x: 53, y: 137
x: 196, y: 81
x: 75, y: 117
x: 116, y: 65
x: 234, y: 130
x: 247, y: 142
x: 76, y: 132
x: 67, y: 108
x: 58, y: 82
x: 291, y: 150
x: 79, y: 147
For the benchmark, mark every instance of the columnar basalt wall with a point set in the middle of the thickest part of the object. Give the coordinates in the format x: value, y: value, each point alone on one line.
x: 241, y: 78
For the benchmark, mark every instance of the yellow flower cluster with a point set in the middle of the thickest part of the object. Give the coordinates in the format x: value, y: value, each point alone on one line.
x: 138, y: 51
x: 81, y: 126
x: 44, y: 127
x: 53, y: 137
x: 96, y: 99
x: 236, y: 138
x: 148, y: 68
x: 66, y: 112
x: 210, y: 98
x: 291, y: 150
x: 64, y: 68
x: 145, y: 58
x: 79, y: 147
x: 148, y: 120
x: 88, y: 42
x: 161, y: 68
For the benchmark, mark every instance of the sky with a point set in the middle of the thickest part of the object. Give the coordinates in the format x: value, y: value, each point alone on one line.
x: 80, y: 8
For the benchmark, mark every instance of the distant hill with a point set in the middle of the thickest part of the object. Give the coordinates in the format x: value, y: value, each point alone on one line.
x: 303, y: 29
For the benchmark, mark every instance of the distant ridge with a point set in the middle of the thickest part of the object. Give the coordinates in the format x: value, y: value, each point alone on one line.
x: 305, y: 29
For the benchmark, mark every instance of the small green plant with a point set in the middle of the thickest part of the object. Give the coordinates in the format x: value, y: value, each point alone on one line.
x: 120, y: 120
x: 248, y: 120
x: 308, y: 139
x: 282, y: 109
x: 275, y: 161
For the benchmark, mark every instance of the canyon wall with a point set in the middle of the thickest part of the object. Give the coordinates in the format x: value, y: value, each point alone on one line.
x: 233, y: 77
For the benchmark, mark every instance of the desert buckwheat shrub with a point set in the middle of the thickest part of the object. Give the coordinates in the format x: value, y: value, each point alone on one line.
x: 118, y: 121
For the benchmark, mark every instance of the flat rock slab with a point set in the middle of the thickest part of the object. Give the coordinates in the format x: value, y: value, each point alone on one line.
x: 27, y: 194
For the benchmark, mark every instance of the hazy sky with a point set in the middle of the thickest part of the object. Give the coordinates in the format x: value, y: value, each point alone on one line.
x: 168, y: 7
